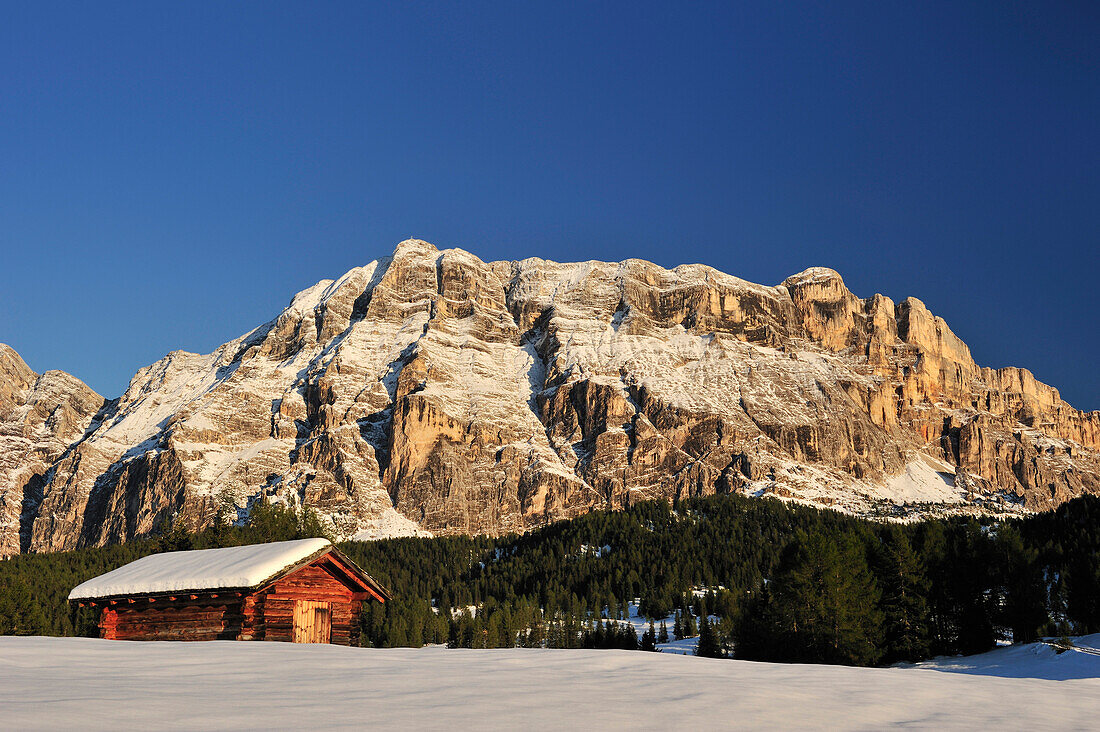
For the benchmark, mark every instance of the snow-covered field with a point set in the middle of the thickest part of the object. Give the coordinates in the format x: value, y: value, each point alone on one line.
x: 55, y: 683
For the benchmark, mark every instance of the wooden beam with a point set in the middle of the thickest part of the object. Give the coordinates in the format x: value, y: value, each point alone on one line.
x: 376, y: 595
x: 355, y: 574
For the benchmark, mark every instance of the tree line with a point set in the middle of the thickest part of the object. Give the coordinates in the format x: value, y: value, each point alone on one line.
x: 752, y: 578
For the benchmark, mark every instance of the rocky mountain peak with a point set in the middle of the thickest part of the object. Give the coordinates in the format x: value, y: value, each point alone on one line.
x: 430, y: 391
x: 814, y: 276
x: 40, y: 417
x: 15, y: 376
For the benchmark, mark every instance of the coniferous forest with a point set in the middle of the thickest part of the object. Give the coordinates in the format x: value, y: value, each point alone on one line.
x: 751, y: 578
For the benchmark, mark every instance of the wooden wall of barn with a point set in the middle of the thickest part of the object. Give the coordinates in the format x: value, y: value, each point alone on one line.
x: 202, y: 618
x: 269, y: 614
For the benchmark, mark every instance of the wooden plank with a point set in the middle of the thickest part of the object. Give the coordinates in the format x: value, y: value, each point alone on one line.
x: 311, y: 583
x: 302, y: 622
x: 324, y: 622
x: 312, y: 621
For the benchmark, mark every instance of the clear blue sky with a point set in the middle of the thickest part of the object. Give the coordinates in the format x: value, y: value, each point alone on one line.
x: 171, y: 173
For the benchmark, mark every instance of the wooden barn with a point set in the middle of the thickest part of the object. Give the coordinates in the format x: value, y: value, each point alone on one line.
x: 301, y: 591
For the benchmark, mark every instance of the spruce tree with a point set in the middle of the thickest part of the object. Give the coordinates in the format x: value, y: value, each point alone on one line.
x: 174, y: 536
x: 905, y: 621
x: 662, y: 636
x: 649, y: 639
x: 1082, y: 582
x: 397, y: 634
x: 824, y: 605
x: 628, y: 637
x: 690, y: 630
x: 708, y: 646
x: 1024, y: 604
x: 20, y: 613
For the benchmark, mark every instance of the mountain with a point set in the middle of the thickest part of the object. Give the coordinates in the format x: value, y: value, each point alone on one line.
x: 433, y: 392
x: 40, y: 416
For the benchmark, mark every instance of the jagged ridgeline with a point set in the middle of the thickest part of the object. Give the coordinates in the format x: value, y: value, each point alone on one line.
x: 433, y: 392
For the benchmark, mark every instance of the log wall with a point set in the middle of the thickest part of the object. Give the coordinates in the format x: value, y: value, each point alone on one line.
x: 201, y: 618
x: 267, y: 614
x: 275, y: 605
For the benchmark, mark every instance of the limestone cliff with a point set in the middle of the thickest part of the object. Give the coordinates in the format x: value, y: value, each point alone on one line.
x: 433, y: 392
x: 40, y: 417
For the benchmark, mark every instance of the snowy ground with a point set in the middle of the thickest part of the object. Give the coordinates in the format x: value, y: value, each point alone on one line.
x: 54, y: 683
x: 925, y: 480
x: 1028, y: 660
x: 684, y: 646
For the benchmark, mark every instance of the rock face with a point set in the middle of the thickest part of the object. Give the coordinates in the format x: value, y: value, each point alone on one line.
x: 434, y: 392
x: 40, y: 417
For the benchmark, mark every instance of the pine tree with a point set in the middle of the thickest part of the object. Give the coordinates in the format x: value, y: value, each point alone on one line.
x: 629, y: 638
x: 174, y: 536
x: 690, y: 630
x: 662, y: 637
x: 219, y: 530
x: 536, y: 638
x: 824, y: 605
x: 414, y: 638
x: 678, y: 627
x: 1082, y: 581
x: 1025, y: 599
x: 708, y: 646
x: 397, y: 634
x: 959, y: 560
x: 905, y: 622
x: 649, y: 639
x: 310, y: 525
x: 20, y: 613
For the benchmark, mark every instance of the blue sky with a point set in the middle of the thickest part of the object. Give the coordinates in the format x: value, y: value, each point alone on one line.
x: 171, y: 173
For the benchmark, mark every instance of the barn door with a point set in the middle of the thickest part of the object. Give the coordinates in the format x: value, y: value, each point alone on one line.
x: 312, y: 622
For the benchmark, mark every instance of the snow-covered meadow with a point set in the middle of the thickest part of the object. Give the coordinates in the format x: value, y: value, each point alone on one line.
x: 53, y: 683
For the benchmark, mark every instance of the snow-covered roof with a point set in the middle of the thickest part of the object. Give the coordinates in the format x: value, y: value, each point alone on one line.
x: 233, y: 567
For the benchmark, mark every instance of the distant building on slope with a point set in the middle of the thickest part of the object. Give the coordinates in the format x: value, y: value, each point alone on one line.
x: 302, y: 591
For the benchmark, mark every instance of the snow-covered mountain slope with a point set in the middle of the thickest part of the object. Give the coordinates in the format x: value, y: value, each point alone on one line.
x: 433, y: 392
x: 60, y: 683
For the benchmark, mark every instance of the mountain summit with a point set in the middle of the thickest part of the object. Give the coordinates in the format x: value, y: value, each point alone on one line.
x: 432, y: 392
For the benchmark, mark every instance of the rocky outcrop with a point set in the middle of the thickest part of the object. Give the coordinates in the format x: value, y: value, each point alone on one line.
x: 433, y: 392
x: 41, y: 415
